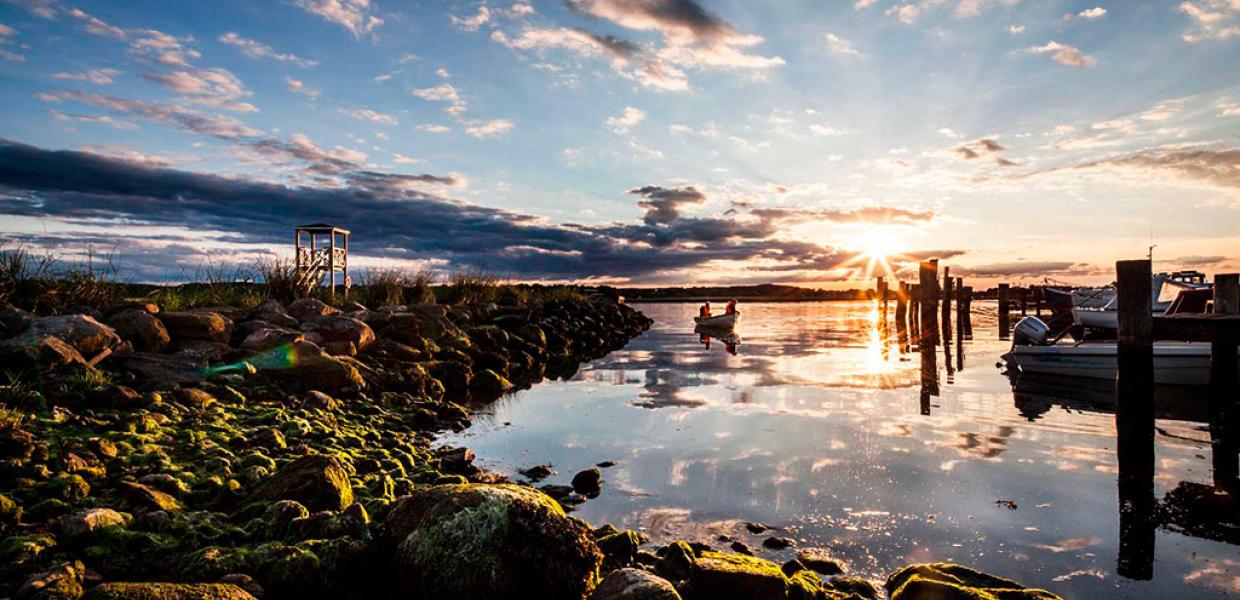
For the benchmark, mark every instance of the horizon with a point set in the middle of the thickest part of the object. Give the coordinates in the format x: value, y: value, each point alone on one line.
x: 652, y: 143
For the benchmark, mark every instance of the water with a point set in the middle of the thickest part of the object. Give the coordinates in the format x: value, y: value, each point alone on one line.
x: 821, y: 428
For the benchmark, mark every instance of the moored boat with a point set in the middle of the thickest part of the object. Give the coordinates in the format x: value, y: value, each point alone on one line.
x: 727, y: 321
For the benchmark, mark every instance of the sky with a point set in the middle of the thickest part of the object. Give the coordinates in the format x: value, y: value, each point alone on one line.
x: 631, y: 142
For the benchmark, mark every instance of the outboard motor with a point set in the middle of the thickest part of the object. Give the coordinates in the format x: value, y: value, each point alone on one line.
x: 1031, y: 331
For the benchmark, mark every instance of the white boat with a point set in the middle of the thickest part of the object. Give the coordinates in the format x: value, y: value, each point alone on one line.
x: 1175, y: 363
x: 1164, y: 288
x: 719, y: 322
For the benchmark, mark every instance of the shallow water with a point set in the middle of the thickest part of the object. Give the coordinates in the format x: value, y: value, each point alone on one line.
x: 822, y: 428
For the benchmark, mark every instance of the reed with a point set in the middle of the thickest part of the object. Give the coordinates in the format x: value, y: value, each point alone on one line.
x: 44, y: 284
x: 394, y: 286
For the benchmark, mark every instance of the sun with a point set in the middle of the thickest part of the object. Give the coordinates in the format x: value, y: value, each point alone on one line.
x: 874, y: 249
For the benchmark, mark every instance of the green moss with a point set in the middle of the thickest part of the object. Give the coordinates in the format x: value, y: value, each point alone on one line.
x: 20, y: 550
x: 955, y: 582
x: 10, y: 512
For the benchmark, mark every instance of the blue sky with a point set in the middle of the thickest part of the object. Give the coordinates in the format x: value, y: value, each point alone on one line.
x: 628, y: 141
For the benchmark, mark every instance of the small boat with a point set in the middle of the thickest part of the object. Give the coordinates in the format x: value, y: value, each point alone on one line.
x: 718, y: 322
x: 1099, y: 310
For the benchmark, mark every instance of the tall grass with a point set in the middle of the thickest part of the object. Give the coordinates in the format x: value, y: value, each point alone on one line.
x: 280, y: 280
x: 394, y: 286
x: 45, y: 284
x: 470, y: 287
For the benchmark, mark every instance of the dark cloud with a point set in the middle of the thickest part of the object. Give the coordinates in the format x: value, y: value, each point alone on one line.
x: 990, y: 145
x: 1003, y: 162
x: 663, y: 204
x: 1198, y: 261
x: 678, y: 19
x: 966, y: 152
x: 1220, y: 167
x: 1026, y: 269
x: 617, y: 47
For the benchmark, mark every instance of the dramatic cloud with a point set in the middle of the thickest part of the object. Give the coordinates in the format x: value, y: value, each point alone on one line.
x: 870, y: 215
x: 627, y: 58
x: 217, y: 126
x: 218, y: 88
x: 255, y: 49
x: 369, y: 115
x: 1024, y: 269
x: 355, y: 15
x: 1219, y: 167
x: 1212, y: 20
x: 663, y: 205
x: 840, y: 46
x: 388, y: 215
x: 1063, y: 54
x: 95, y: 76
x: 165, y: 49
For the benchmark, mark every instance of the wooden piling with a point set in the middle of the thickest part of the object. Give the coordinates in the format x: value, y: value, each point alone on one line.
x: 1223, y: 377
x: 960, y: 314
x: 1134, y: 417
x: 929, y: 275
x: 880, y: 288
x: 1005, y: 326
x: 1023, y: 293
x: 914, y: 312
x: 947, y: 307
x: 901, y: 313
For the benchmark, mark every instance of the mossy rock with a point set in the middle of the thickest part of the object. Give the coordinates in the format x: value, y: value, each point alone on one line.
x: 10, y: 511
x: 716, y: 575
x: 489, y: 541
x: 634, y: 584
x: 63, y: 582
x: 946, y: 581
x: 167, y: 591
x: 20, y: 550
x: 317, y: 481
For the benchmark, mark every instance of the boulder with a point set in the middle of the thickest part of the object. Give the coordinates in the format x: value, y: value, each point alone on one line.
x: 63, y: 582
x: 270, y: 337
x: 84, y: 333
x: 308, y: 366
x: 143, y: 497
x: 634, y: 584
x: 411, y: 327
x: 167, y: 591
x: 197, y: 325
x: 340, y: 329
x: 91, y: 520
x: 160, y: 371
x: 854, y: 586
x: 820, y: 560
x: 318, y: 482
x: 488, y: 385
x: 210, y: 352
x: 118, y: 396
x: 719, y: 575
x: 140, y: 328
x: 309, y: 308
x: 488, y: 541
x: 588, y: 483
x: 14, y: 320
x: 272, y: 311
x: 948, y: 581
x: 39, y: 352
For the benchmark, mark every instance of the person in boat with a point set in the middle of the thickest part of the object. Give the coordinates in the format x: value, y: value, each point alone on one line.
x: 731, y: 308
x: 704, y: 312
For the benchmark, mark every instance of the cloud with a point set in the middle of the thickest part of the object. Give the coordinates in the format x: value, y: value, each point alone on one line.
x: 166, y: 49
x: 489, y: 128
x: 355, y: 15
x: 46, y: 9
x: 1215, y: 166
x: 870, y: 215
x: 404, y: 160
x: 1198, y: 261
x: 626, y: 57
x: 433, y: 128
x: 367, y: 114
x: 95, y: 76
x: 96, y: 26
x: 444, y: 92
x: 1015, y: 29
x: 217, y: 126
x: 629, y: 118
x: 255, y: 49
x: 1003, y: 162
x: 519, y: 9
x: 102, y: 120
x: 1212, y: 20
x: 1063, y: 54
x: 389, y: 215
x: 473, y: 23
x: 977, y: 147
x: 663, y: 205
x: 1096, y: 12
x: 840, y: 46
x: 219, y: 88
x: 1023, y: 269
x: 966, y: 152
x: 6, y: 31
x: 300, y: 87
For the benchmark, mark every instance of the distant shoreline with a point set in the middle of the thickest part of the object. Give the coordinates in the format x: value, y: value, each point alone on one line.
x: 739, y: 299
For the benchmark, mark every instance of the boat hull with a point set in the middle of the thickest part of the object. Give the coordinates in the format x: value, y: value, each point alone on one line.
x: 1176, y: 363
x: 719, y: 322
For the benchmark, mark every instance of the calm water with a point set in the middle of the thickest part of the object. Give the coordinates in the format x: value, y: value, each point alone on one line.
x: 819, y: 427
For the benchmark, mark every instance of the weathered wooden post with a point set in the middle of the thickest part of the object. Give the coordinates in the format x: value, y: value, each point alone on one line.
x: 960, y: 314
x: 1134, y: 418
x: 1223, y: 379
x: 880, y: 288
x: 901, y: 313
x: 1041, y: 299
x: 1005, y: 327
x: 914, y: 311
x: 948, y: 289
x: 968, y: 311
x: 929, y: 275
x: 1024, y: 301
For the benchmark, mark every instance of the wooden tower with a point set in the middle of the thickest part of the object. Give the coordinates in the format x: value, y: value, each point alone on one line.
x: 318, y: 259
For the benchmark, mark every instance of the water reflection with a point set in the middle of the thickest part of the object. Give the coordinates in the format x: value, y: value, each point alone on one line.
x: 813, y: 426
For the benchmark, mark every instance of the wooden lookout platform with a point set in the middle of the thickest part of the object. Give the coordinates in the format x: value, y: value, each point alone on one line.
x: 317, y: 260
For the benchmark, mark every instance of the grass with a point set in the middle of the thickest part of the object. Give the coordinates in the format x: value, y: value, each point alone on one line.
x: 393, y: 286
x: 45, y: 284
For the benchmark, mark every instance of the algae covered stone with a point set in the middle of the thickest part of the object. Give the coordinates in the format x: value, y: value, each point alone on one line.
x: 167, y: 591
x: 63, y: 582
x: 317, y: 481
x: 719, y: 575
x: 946, y: 581
x: 634, y: 584
x: 489, y: 541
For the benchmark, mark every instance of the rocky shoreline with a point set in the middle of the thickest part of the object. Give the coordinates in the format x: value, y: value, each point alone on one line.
x: 286, y: 452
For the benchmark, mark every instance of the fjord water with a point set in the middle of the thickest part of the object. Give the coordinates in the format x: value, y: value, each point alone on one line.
x: 820, y: 427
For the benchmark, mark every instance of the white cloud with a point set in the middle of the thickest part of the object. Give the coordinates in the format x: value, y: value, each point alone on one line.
x: 840, y: 46
x: 6, y: 31
x: 404, y: 160
x: 474, y: 22
x: 629, y: 118
x: 519, y: 9
x: 164, y: 48
x: 96, y: 26
x: 102, y: 120
x: 1063, y: 54
x: 367, y: 114
x: 355, y: 15
x: 299, y: 87
x: 95, y: 76
x: 432, y: 128
x: 255, y: 49
x: 1096, y: 12
x: 1213, y: 20
x: 490, y: 128
x: 210, y: 87
x: 444, y: 92
x: 950, y: 134
x: 827, y: 131
x: 1015, y: 29
x: 442, y: 72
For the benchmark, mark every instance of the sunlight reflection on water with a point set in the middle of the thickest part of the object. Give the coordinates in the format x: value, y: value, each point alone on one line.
x: 820, y: 426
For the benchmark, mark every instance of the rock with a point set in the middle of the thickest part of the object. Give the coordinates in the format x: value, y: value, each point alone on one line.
x: 588, y: 483
x: 148, y: 498
x: 340, y: 329
x: 244, y: 582
x: 316, y: 481
x: 273, y: 312
x: 63, y: 582
x: 16, y: 443
x: 194, y: 397
x: 820, y: 560
x: 197, y: 325
x: 856, y: 586
x: 140, y: 328
x: 308, y: 308
x: 457, y: 460
x: 489, y: 541
x: 340, y: 348
x: 309, y: 367
x: 487, y: 385
x: 91, y: 520
x: 634, y: 584
x: 210, y: 352
x: 537, y: 473
x: 756, y: 528
x: 167, y: 591
x: 118, y: 396
x: 675, y: 561
x: 85, y: 334
x: 778, y: 543
x: 159, y: 371
x: 740, y: 547
x: 40, y: 352
x: 14, y: 320
x: 718, y: 575
x: 320, y: 401
x: 948, y: 581
x: 411, y: 327
x: 620, y: 548
x: 10, y: 512
x: 270, y: 337
x: 166, y: 483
